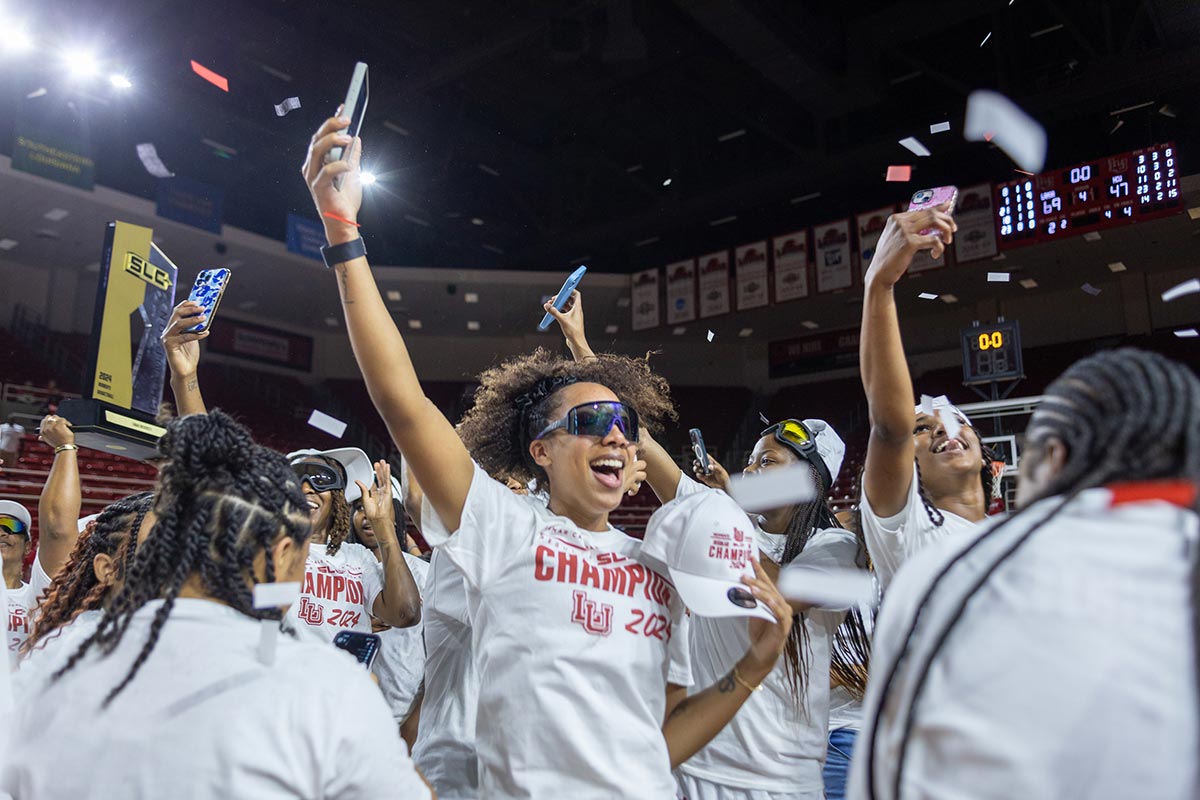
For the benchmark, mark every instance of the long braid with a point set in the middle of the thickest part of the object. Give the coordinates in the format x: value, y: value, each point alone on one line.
x: 934, y: 513
x: 221, y: 500
x: 339, y: 521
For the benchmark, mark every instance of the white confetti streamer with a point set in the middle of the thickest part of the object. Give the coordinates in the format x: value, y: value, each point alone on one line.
x: 827, y: 588
x: 268, y: 634
x: 773, y: 488
x: 927, y: 296
x: 323, y: 422
x: 290, y: 104
x: 950, y: 421
x: 939, y: 127
x: 1092, y: 290
x: 711, y: 336
x: 914, y: 146
x: 998, y: 277
x: 993, y: 117
x: 1176, y: 292
x: 926, y: 405
x: 153, y: 164
x: 36, y: 93
x: 1187, y: 333
x: 274, y: 595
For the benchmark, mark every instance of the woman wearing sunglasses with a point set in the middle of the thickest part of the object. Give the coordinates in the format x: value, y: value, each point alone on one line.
x: 581, y: 649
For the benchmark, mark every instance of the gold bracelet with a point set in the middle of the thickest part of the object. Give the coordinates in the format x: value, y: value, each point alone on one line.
x: 62, y: 447
x: 737, y: 676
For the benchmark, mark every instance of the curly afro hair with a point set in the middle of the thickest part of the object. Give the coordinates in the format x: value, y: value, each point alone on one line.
x: 515, y: 401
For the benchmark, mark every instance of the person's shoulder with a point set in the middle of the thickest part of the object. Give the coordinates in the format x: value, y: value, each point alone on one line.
x: 834, y: 537
x: 312, y: 662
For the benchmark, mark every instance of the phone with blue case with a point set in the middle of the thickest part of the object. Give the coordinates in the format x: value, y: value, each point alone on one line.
x: 363, y: 646
x: 207, y: 292
x: 564, y: 296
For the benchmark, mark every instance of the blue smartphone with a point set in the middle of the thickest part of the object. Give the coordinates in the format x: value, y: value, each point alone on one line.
x: 363, y: 646
x: 564, y: 296
x: 207, y: 292
x: 699, y: 450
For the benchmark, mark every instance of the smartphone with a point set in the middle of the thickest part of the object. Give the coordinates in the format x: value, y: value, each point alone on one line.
x: 700, y: 451
x: 363, y: 646
x: 207, y: 292
x: 564, y: 296
x: 352, y: 108
x: 930, y: 198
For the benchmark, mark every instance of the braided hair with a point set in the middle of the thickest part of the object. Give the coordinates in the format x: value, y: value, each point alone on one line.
x: 75, y: 588
x: 221, y: 500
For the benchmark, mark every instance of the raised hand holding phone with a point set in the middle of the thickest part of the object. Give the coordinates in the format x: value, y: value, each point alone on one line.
x: 563, y: 297
x: 700, y: 452
x: 207, y: 292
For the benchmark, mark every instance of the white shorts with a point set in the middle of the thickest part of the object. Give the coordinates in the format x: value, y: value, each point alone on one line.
x: 693, y: 788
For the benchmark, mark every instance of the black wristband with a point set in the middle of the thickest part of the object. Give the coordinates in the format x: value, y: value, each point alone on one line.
x: 341, y: 253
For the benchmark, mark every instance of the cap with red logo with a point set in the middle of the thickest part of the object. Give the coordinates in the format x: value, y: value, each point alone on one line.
x: 705, y: 542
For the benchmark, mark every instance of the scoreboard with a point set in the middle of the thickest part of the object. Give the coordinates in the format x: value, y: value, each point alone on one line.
x: 992, y: 353
x: 1105, y: 193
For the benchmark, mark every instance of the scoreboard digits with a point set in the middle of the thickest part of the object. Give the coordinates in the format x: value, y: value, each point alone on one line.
x: 992, y: 353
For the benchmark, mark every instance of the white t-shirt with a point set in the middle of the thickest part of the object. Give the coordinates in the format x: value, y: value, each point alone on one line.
x: 770, y: 745
x: 575, y: 642
x: 205, y: 719
x: 21, y: 605
x: 338, y: 592
x: 400, y: 664
x: 10, y: 438
x: 893, y: 540
x: 1071, y: 673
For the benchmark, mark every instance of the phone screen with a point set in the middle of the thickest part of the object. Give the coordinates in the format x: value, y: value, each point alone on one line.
x: 363, y: 646
x: 207, y: 291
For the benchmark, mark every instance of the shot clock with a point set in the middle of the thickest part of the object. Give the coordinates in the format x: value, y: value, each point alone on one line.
x: 992, y: 353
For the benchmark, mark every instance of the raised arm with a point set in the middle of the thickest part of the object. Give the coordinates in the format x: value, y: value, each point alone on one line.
x: 886, y: 380
x: 399, y: 604
x: 438, y: 458
x: 183, y: 357
x: 58, y: 507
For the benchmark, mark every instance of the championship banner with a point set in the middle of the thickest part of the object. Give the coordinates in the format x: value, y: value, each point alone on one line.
x: 260, y: 343
x: 832, y: 245
x: 976, y: 236
x: 191, y: 202
x: 870, y: 228
x: 305, y: 236
x: 681, y: 292
x: 791, y: 266
x: 51, y: 140
x: 714, y: 284
x: 644, y: 291
x: 751, y: 263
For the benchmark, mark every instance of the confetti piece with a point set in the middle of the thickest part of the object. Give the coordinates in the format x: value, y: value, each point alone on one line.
x: 274, y: 595
x: 711, y: 336
x: 1187, y: 287
x: 950, y: 420
x: 939, y: 127
x: 1014, y: 131
x: 773, y: 488
x: 36, y: 93
x: 827, y: 588
x: 926, y: 406
x: 83, y: 522
x: 998, y: 277
x: 899, y: 174
x: 914, y: 146
x: 216, y: 80
x: 323, y: 422
x: 985, y: 39
x: 927, y: 296
x: 1116, y: 127
x: 1187, y: 333
x: 153, y: 164
x: 268, y: 635
x: 291, y: 104
x: 764, y: 419
x: 1092, y: 290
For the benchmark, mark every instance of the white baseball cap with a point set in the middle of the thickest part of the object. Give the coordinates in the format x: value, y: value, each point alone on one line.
x: 14, y: 509
x: 356, y: 463
x: 830, y: 447
x: 705, y: 543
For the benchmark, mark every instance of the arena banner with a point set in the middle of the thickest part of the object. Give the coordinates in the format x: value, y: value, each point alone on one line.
x: 835, y: 269
x: 976, y: 237
x: 681, y: 292
x: 305, y: 236
x: 714, y: 284
x: 50, y: 141
x: 644, y: 290
x: 750, y: 261
x: 191, y: 202
x: 870, y: 228
x: 814, y: 352
x: 262, y: 344
x: 791, y: 266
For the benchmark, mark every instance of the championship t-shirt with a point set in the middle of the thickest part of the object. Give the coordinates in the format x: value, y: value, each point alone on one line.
x: 400, y: 663
x: 21, y: 605
x: 575, y: 642
x: 892, y: 540
x: 338, y: 592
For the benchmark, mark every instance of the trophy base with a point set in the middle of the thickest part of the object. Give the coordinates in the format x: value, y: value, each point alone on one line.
x: 99, y: 426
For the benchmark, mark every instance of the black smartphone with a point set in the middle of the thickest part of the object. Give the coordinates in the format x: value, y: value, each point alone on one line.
x: 700, y: 451
x: 363, y: 646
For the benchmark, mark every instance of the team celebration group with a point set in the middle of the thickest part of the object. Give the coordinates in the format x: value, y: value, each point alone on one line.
x: 540, y: 652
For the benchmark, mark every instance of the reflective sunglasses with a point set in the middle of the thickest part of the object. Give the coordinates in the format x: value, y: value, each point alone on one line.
x: 596, y: 419
x: 13, y: 525
x: 322, y: 477
x: 795, y: 435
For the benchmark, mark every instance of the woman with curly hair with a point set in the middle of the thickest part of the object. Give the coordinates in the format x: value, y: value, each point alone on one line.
x: 174, y: 693
x: 580, y: 696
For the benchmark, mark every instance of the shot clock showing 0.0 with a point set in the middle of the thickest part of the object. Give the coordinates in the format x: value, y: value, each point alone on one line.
x: 992, y: 353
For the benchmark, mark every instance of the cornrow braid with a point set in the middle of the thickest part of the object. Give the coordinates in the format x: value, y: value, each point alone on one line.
x: 75, y: 588
x: 339, y: 521
x: 221, y: 499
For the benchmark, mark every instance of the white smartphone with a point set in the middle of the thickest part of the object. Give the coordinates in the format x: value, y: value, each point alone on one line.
x: 352, y: 108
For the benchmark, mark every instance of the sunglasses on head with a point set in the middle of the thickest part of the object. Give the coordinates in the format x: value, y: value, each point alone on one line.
x: 322, y: 477
x: 13, y: 525
x: 596, y: 419
x: 795, y: 435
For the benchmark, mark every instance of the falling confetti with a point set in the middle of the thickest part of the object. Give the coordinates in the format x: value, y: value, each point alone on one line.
x: 711, y: 336
x: 1185, y: 288
x: 273, y: 595
x: 290, y: 104
x: 914, y: 146
x: 993, y: 117
x: 219, y: 81
x: 774, y: 488
x: 998, y: 277
x: 899, y: 174
x: 939, y: 127
x: 1187, y: 333
x: 927, y: 296
x: 38, y: 92
x: 323, y: 422
x: 764, y: 419
x: 950, y: 420
x: 1092, y: 290
x: 831, y: 587
x: 153, y: 164
x: 985, y: 39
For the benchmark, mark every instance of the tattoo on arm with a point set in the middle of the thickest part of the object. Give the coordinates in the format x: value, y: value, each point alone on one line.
x: 191, y: 385
x: 726, y: 684
x: 341, y: 274
x: 679, y: 709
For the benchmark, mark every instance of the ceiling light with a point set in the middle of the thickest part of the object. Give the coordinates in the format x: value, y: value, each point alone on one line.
x: 119, y: 81
x: 471, y: 297
x: 1116, y: 266
x: 476, y: 221
x: 81, y: 63
x: 744, y: 332
x: 1187, y: 333
x: 56, y: 214
x: 808, y: 323
x: 727, y: 137
x: 368, y: 179
x: 949, y: 298
x: 414, y: 324
x: 1029, y: 283
x: 472, y: 325
x: 394, y: 295
x: 680, y: 331
x: 611, y: 328
x: 7, y: 244
x: 1194, y: 212
x: 1092, y: 236
x: 667, y: 182
x: 331, y: 322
